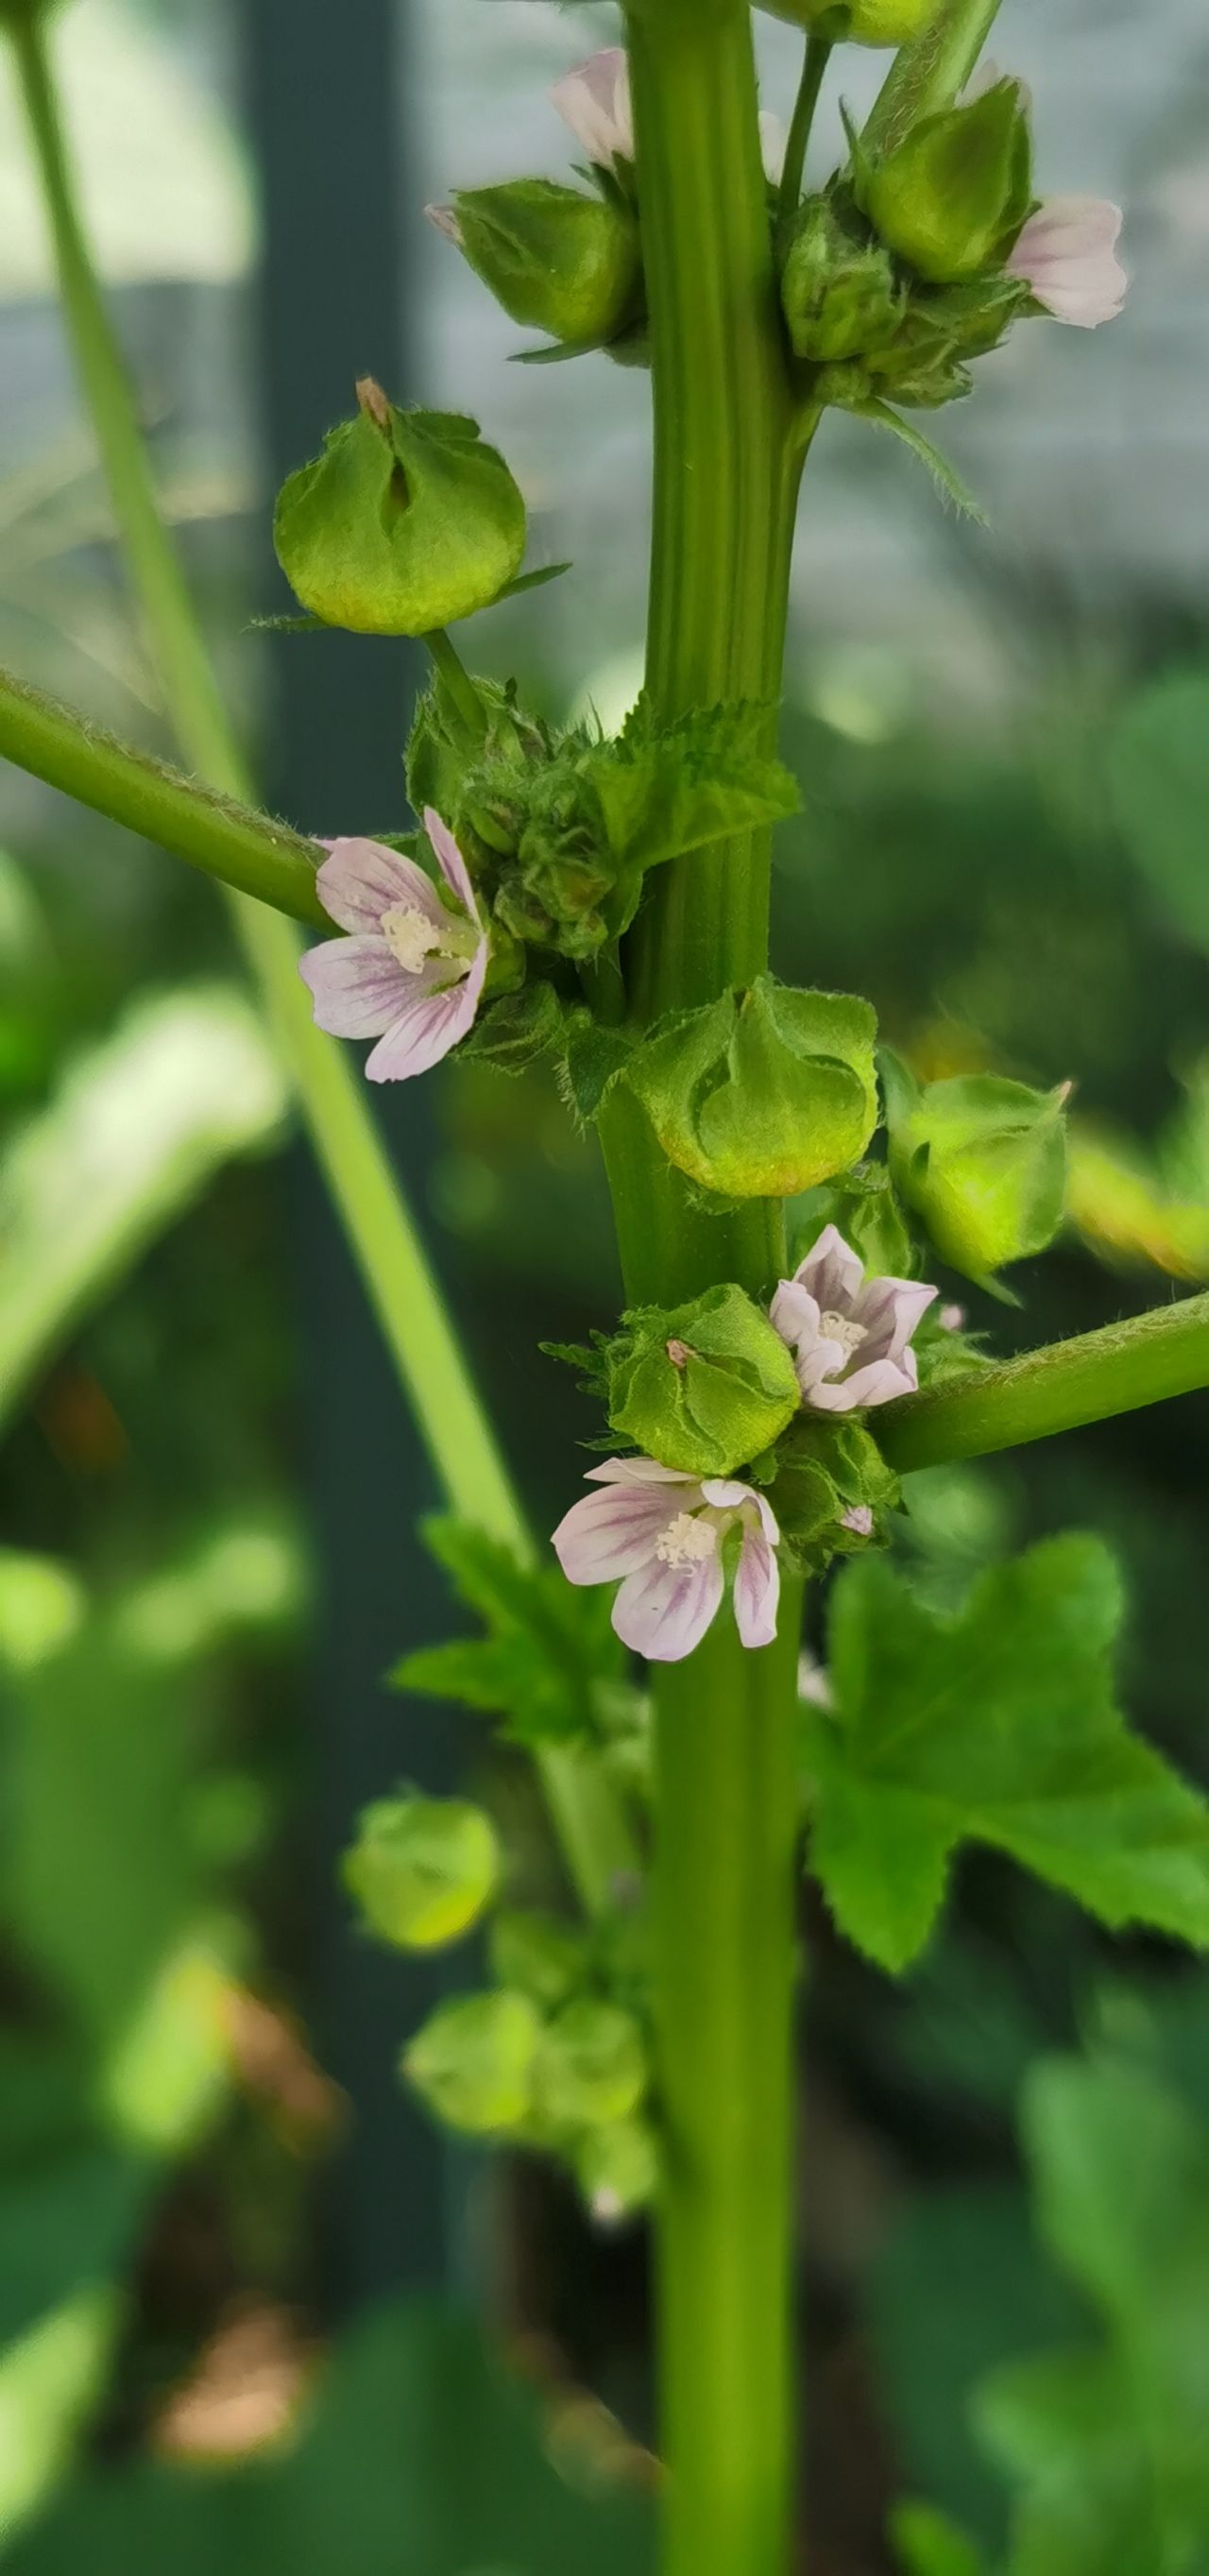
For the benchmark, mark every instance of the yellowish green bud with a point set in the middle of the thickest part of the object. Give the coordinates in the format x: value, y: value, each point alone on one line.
x: 618, y: 2169
x: 952, y: 196
x: 763, y: 1093
x: 473, y: 2060
x: 702, y: 1387
x: 859, y: 22
x: 557, y: 260
x: 982, y: 1161
x: 422, y: 1869
x: 590, y: 2067
x: 839, y: 297
x: 406, y: 522
x: 538, y: 1956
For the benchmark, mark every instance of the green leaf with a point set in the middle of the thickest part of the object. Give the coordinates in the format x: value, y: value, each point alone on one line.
x: 996, y: 1726
x: 535, y: 580
x: 548, y: 1650
x: 668, y: 789
x: 594, y: 1057
x: 1158, y: 778
x: 928, y: 2544
x: 945, y: 476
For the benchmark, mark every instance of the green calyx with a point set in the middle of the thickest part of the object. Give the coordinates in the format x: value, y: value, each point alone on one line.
x: 703, y: 1387
x: 763, y: 1093
x: 839, y: 295
x: 557, y: 260
x: 422, y: 1869
x: 539, y: 1956
x: 472, y: 2062
x: 981, y: 1161
x: 950, y: 199
x: 406, y: 522
x: 864, y: 1207
x: 830, y: 1488
x: 590, y: 2067
x: 858, y: 22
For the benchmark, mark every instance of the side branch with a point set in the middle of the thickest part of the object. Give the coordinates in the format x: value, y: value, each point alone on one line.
x: 224, y: 839
x: 1060, y: 1388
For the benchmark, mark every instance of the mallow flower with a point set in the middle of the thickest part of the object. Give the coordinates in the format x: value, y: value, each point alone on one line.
x: 411, y: 971
x: 1067, y: 254
x: 661, y: 1536
x: 850, y: 1336
x: 594, y: 100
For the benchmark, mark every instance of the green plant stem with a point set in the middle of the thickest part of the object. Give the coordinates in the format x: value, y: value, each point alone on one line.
x: 448, y: 662
x: 818, y: 55
x: 261, y: 859
x: 725, y: 487
x: 1117, y: 1370
x: 931, y: 73
x: 241, y: 849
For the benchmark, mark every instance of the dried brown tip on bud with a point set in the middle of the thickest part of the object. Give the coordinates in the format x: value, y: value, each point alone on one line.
x: 678, y: 1353
x: 373, y: 401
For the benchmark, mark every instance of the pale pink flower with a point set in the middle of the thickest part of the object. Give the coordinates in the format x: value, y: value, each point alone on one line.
x: 1067, y: 254
x: 849, y: 1335
x: 952, y: 1319
x: 660, y: 1535
x: 411, y: 971
x: 858, y: 1519
x: 594, y: 100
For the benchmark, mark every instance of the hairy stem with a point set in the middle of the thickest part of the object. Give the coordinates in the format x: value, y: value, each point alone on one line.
x: 261, y: 859
x: 725, y: 488
x: 932, y: 72
x: 1060, y: 1388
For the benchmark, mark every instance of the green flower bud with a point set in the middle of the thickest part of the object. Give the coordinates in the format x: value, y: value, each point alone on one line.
x: 952, y: 196
x: 702, y: 1387
x: 538, y: 1956
x: 472, y: 2061
x: 859, y: 22
x: 831, y: 1485
x: 556, y: 260
x: 865, y: 1210
x: 422, y: 1869
x: 590, y: 2067
x: 406, y: 522
x: 981, y: 1160
x: 618, y: 2169
x: 764, y: 1092
x: 839, y: 296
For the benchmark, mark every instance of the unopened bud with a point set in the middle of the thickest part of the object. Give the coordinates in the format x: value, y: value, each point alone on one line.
x: 591, y: 2066
x: 538, y: 1956
x: 763, y: 1093
x: 839, y: 297
x: 422, y: 1869
x: 952, y: 196
x: 702, y: 1388
x: 859, y: 22
x: 618, y: 2170
x: 982, y: 1161
x: 472, y: 2061
x: 557, y: 261
x: 406, y: 522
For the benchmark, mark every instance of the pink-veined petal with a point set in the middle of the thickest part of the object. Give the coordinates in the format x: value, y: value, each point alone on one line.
x: 794, y: 1313
x: 832, y: 1272
x: 594, y: 100
x: 664, y: 1611
x: 858, y: 1519
x: 757, y: 1587
x: 357, y: 987
x: 427, y: 1027
x: 643, y: 1471
x: 821, y: 1360
x: 879, y: 1382
x: 890, y: 1310
x: 451, y: 863
x: 612, y: 1532
x: 360, y: 880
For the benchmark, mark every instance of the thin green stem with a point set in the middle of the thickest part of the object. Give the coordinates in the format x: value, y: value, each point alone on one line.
x: 726, y: 477
x: 258, y: 858
x: 1143, y: 1361
x: 448, y: 661
x: 818, y: 55
x: 242, y: 849
x: 932, y: 72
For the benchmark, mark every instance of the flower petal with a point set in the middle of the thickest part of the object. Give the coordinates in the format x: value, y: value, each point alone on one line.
x: 794, y: 1313
x: 859, y: 1519
x: 358, y: 988
x: 594, y: 100
x: 642, y: 1471
x: 360, y: 880
x: 832, y: 1272
x: 664, y: 1611
x: 1067, y: 254
x: 451, y: 863
x: 757, y: 1586
x: 890, y: 1310
x: 427, y: 1027
x: 611, y: 1533
x: 879, y: 1382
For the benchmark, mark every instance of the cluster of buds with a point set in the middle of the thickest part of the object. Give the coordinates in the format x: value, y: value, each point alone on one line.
x: 546, y: 2059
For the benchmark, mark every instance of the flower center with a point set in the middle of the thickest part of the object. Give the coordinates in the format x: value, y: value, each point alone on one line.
x: 410, y: 936
x: 844, y: 1330
x: 688, y: 1540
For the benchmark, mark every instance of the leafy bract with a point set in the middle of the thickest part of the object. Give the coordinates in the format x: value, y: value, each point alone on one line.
x: 548, y: 1651
x: 664, y: 790
x: 996, y: 1726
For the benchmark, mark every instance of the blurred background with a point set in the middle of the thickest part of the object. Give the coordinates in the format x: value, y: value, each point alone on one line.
x: 217, y: 2207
